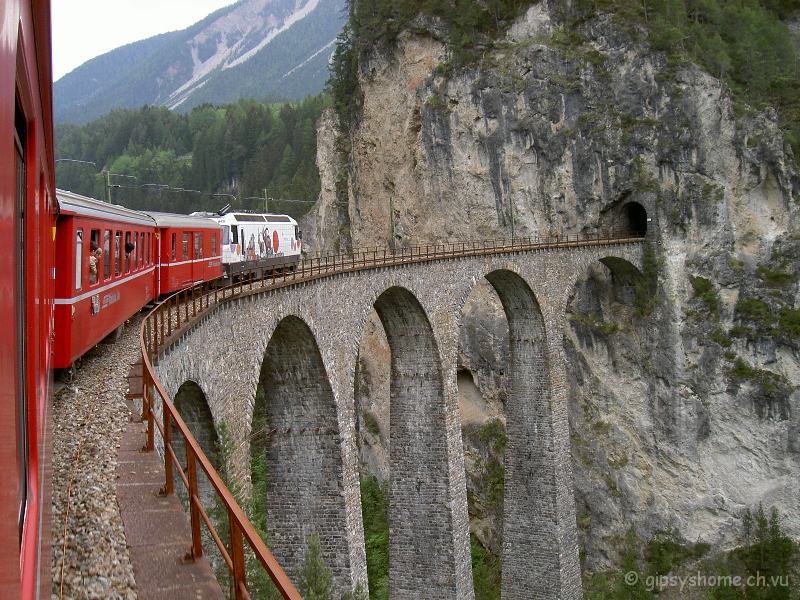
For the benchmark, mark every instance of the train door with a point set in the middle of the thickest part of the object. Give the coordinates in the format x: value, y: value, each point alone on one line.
x: 197, y: 255
x: 19, y: 298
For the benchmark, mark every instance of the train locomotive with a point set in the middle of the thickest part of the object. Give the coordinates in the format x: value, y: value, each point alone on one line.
x: 257, y: 242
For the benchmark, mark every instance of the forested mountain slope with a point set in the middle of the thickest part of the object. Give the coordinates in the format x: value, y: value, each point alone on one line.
x: 242, y: 149
x: 262, y: 49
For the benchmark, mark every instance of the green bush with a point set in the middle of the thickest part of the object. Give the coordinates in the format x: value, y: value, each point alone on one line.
x: 756, y: 311
x: 789, y: 322
x: 664, y: 552
x: 704, y: 290
x: 775, y: 278
x: 371, y: 423
x: 375, y: 513
x: 485, y: 571
x: 594, y: 322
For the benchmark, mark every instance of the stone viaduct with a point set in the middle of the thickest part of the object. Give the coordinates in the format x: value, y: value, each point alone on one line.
x: 302, y: 343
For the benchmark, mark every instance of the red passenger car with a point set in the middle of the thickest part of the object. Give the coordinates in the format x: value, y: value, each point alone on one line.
x: 27, y: 209
x: 188, y: 251
x: 96, y: 294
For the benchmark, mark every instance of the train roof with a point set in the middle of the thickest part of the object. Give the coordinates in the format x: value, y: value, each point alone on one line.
x: 240, y: 217
x: 70, y: 203
x: 163, y: 219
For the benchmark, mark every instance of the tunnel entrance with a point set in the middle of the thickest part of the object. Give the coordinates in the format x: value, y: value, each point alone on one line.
x: 635, y: 219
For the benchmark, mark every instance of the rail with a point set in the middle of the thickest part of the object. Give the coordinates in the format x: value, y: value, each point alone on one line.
x: 174, y: 316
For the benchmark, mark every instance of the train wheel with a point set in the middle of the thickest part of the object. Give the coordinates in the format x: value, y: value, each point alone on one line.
x: 114, y: 336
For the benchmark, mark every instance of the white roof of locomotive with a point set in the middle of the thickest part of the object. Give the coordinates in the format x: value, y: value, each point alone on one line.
x: 240, y: 217
x: 182, y: 221
x: 70, y: 203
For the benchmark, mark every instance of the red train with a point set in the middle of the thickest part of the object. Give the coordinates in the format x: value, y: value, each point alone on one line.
x: 27, y: 228
x: 112, y: 261
x: 188, y: 250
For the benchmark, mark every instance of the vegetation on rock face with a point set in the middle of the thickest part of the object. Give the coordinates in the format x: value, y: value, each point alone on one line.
x: 745, y: 43
x: 375, y: 512
x: 241, y: 149
x: 704, y: 290
x: 485, y: 571
x: 645, y: 291
x: 765, y: 564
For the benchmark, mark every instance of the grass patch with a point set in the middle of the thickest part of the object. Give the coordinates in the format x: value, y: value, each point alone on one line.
x: 612, y: 486
x: 718, y: 336
x: 594, y: 323
x: 618, y: 462
x: 775, y: 278
x: 789, y: 322
x: 601, y: 427
x: 371, y: 423
x: 756, y: 311
x: 705, y: 291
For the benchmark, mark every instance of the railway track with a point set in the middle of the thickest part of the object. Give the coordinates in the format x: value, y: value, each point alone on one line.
x: 90, y: 554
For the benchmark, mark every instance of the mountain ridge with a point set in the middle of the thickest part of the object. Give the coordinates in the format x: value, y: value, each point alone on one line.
x: 265, y: 49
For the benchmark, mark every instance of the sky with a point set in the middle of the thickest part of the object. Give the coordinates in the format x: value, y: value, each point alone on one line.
x: 83, y: 29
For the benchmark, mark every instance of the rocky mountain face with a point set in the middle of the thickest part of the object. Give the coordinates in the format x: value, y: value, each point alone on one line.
x: 253, y: 49
x: 683, y: 411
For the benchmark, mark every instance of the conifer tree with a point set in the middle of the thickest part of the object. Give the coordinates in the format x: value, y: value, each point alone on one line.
x: 315, y: 582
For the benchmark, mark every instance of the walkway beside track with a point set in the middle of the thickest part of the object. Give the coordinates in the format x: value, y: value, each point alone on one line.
x: 156, y: 526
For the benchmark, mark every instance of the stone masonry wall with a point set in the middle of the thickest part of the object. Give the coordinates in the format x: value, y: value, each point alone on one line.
x: 224, y: 355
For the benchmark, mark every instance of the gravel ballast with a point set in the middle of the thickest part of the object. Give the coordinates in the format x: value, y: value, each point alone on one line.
x: 89, y: 415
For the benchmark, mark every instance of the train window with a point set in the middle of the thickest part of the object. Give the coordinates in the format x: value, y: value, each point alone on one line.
x: 78, y: 258
x: 134, y: 252
x: 185, y: 246
x: 94, y: 245
x: 173, y: 245
x: 235, y: 232
x: 106, y: 254
x: 117, y: 253
x: 20, y: 145
x: 128, y: 248
x: 147, y: 248
x: 213, y: 244
x: 198, y: 245
x: 141, y: 249
x: 226, y: 235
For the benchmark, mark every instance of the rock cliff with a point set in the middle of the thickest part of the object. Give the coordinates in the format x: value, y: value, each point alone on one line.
x: 684, y: 410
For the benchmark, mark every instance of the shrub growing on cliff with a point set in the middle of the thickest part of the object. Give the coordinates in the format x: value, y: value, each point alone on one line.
x: 704, y: 290
x: 485, y: 571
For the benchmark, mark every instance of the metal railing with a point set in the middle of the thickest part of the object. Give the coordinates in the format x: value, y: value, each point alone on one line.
x: 174, y: 316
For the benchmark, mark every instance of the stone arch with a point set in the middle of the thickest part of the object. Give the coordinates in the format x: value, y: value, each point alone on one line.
x: 531, y: 557
x: 301, y: 442
x: 604, y: 296
x: 192, y: 405
x: 422, y: 544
